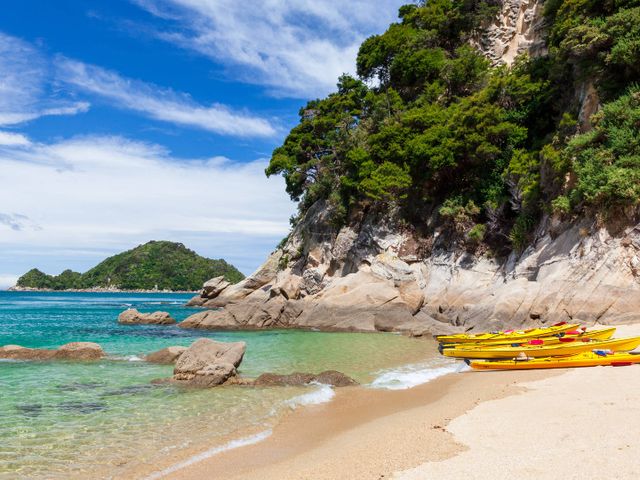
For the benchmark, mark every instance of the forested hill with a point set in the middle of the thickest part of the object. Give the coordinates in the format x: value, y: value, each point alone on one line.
x: 431, y: 129
x: 156, y: 264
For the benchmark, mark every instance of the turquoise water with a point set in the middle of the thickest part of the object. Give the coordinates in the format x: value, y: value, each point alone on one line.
x: 99, y: 419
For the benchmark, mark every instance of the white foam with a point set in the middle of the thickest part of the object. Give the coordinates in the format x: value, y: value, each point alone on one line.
x: 135, y: 358
x: 322, y: 394
x: 410, y: 376
x: 240, y: 442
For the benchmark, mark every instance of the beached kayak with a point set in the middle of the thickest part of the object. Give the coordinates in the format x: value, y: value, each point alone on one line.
x: 585, y: 359
x: 562, y: 349
x: 511, y: 335
x: 567, y: 337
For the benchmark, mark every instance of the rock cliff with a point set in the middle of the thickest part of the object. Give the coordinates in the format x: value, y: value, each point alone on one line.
x: 518, y: 28
x: 375, y: 276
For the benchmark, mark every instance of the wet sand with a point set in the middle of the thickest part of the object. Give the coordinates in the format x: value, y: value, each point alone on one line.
x: 521, y: 424
x: 362, y: 433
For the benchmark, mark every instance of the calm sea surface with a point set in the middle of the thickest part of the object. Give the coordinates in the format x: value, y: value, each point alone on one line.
x: 97, y: 419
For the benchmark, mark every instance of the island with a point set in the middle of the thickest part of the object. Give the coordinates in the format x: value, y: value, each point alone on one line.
x: 155, y: 265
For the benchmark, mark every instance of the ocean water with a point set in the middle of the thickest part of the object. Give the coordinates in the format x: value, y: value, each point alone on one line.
x: 65, y: 420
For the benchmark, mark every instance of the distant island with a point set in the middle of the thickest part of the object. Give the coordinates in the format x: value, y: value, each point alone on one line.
x: 155, y: 265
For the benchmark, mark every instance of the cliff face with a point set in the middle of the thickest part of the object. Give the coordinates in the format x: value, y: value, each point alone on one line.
x: 372, y: 276
x: 518, y: 28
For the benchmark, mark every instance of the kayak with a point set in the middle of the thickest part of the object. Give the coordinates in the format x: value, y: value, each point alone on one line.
x: 511, y: 335
x: 566, y: 337
x: 563, y: 349
x: 585, y: 359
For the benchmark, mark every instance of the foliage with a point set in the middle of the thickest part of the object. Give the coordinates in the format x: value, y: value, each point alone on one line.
x: 607, y: 159
x: 490, y: 148
x: 165, y: 265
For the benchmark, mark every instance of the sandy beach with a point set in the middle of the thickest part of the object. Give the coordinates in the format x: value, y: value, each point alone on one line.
x: 524, y: 424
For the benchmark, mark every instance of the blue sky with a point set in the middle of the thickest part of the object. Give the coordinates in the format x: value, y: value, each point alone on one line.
x: 123, y: 121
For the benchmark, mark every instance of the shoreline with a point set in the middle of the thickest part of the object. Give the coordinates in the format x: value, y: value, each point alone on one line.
x: 443, y: 428
x: 348, y: 437
x: 92, y: 290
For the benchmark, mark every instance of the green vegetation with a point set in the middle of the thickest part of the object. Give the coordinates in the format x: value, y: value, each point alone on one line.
x: 162, y: 265
x: 488, y: 148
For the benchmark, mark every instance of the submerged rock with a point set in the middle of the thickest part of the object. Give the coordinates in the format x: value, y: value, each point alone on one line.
x: 328, y: 377
x: 131, y: 316
x: 69, y: 351
x: 166, y: 356
x: 207, y: 363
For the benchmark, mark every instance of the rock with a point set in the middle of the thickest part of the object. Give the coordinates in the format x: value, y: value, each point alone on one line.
x: 79, y: 351
x: 69, y: 351
x: 131, y: 316
x: 208, y: 363
x: 218, y: 319
x: 329, y: 377
x: 167, y: 355
x: 212, y: 288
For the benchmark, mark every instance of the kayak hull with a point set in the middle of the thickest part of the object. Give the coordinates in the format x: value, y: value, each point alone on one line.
x: 564, y: 349
x: 509, y: 337
x: 586, y: 359
x: 603, y: 334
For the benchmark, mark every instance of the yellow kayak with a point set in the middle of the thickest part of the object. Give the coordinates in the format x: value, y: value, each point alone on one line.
x: 585, y: 359
x: 617, y: 344
x: 567, y: 337
x: 511, y: 335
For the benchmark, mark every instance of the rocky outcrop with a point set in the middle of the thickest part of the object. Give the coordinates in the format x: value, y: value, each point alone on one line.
x: 165, y: 356
x: 329, y: 377
x: 518, y: 28
x: 69, y: 351
x: 207, y: 363
x: 131, y: 316
x: 374, y: 275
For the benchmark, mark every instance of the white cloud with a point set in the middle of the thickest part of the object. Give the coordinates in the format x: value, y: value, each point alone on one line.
x: 24, y: 82
x: 13, y: 139
x: 7, y: 280
x: 159, y: 103
x: 110, y: 193
x: 295, y: 47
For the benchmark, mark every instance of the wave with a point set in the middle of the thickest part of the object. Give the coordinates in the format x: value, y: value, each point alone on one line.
x: 323, y: 394
x: 410, y: 376
x: 240, y: 442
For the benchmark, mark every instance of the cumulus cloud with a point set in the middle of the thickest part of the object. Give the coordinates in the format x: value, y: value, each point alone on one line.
x: 295, y: 47
x: 160, y: 103
x: 24, y: 77
x: 111, y: 193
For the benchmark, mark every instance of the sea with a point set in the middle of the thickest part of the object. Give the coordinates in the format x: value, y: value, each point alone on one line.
x: 68, y: 420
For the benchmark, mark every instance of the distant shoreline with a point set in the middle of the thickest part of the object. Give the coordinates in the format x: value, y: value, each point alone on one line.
x: 16, y: 288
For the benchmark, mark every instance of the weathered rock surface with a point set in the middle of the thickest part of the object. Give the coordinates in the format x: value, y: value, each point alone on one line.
x: 329, y: 377
x: 368, y: 277
x: 131, y: 316
x: 518, y: 28
x: 207, y: 363
x: 69, y: 351
x: 166, y: 356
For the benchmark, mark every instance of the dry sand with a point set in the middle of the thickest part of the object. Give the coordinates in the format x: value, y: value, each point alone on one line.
x: 525, y: 425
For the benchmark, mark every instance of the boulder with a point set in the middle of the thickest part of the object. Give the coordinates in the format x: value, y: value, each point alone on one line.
x: 132, y: 316
x: 207, y: 363
x: 329, y: 377
x: 79, y: 351
x: 70, y: 351
x: 212, y: 288
x: 165, y: 356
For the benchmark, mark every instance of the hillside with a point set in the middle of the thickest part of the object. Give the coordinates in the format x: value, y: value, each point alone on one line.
x: 482, y: 171
x: 156, y: 264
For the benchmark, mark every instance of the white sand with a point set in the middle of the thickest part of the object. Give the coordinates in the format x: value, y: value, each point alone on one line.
x: 583, y: 424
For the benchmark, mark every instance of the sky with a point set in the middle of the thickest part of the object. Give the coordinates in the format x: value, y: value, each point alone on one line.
x: 124, y: 121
